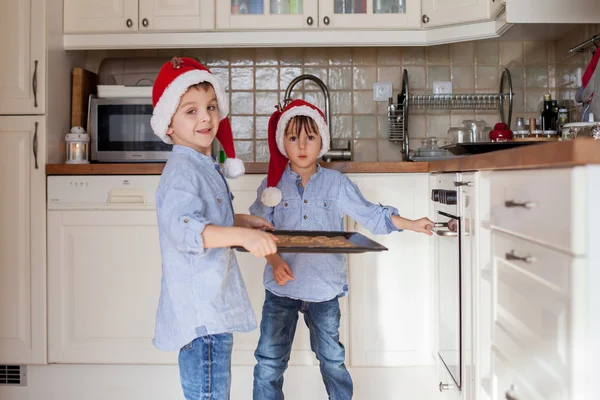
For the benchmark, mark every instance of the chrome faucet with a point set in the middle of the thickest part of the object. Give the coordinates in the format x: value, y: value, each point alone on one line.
x: 332, y: 154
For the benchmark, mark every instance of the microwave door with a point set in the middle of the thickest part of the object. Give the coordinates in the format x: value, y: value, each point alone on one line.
x: 448, y: 284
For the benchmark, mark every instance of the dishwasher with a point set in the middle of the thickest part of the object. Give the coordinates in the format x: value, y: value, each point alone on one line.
x: 102, y: 242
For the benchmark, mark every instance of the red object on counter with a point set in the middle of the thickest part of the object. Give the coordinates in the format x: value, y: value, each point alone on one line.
x: 501, y: 133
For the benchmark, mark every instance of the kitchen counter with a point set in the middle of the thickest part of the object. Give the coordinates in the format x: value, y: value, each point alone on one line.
x: 549, y: 155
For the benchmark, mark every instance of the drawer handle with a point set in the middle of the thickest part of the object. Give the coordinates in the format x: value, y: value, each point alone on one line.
x: 513, y: 257
x: 446, y: 233
x: 445, y: 386
x: 463, y: 183
x: 514, y: 204
x: 510, y: 393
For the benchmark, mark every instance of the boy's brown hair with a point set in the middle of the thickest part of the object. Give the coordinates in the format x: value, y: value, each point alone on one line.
x: 300, y: 122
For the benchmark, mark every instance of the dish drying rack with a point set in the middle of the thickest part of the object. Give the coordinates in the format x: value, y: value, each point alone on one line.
x: 397, y: 127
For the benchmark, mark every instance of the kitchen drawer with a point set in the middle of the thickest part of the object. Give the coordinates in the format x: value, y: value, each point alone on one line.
x: 546, y: 206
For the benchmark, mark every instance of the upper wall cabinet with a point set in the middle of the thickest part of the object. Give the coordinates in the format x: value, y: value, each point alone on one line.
x: 553, y: 11
x: 23, y: 61
x: 450, y: 12
x: 104, y: 16
x: 322, y: 14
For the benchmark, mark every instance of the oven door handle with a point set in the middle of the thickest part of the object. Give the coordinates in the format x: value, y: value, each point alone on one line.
x: 440, y: 232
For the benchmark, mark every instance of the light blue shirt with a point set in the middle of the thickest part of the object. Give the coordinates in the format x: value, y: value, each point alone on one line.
x: 202, y: 291
x: 321, y: 205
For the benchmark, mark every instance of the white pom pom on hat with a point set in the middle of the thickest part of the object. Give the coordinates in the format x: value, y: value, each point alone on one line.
x: 173, y: 80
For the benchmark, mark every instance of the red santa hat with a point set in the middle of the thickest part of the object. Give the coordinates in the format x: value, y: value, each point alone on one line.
x: 172, y: 82
x: 278, y: 122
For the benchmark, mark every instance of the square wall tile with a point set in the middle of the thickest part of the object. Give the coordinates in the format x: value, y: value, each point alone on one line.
x: 319, y: 72
x: 389, y: 151
x: 487, y: 52
x: 218, y: 58
x: 413, y: 56
x: 365, y: 127
x: 463, y: 78
x: 242, y: 78
x: 417, y: 127
x: 438, y: 125
x: 416, y: 77
x: 267, y: 78
x: 316, y: 56
x: 365, y: 151
x: 437, y: 74
x: 340, y: 78
x: 266, y: 56
x: 488, y: 78
x: 389, y: 56
x: 315, y: 98
x: 462, y: 53
x: 534, y: 100
x: 364, y: 56
x: 287, y: 74
x: 511, y: 53
x: 262, y: 127
x: 364, y: 77
x: 242, y: 57
x: 242, y: 103
x: 390, y: 74
x: 262, y: 151
x: 382, y: 125
x: 266, y: 102
x: 536, y: 52
x: 341, y: 103
x: 438, y: 54
x: 363, y: 103
x: 517, y: 74
x: 342, y: 127
x: 340, y: 56
x: 536, y: 77
x: 244, y: 150
x: 291, y: 56
x: 222, y: 75
x: 242, y: 127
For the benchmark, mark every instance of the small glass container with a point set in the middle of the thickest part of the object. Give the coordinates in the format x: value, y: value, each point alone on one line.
x: 461, y: 135
x: 78, y: 143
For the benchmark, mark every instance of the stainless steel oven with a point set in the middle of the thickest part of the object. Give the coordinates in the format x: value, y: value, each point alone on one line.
x: 120, y: 131
x: 448, y: 274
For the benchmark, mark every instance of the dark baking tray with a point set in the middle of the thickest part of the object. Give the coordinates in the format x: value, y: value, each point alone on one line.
x: 460, y: 149
x: 363, y: 244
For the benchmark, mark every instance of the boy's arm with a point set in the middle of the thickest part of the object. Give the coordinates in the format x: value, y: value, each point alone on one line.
x: 378, y: 219
x: 258, y: 208
x: 252, y: 222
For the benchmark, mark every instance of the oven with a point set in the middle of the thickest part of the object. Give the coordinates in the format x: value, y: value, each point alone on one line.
x: 120, y: 131
x: 447, y: 244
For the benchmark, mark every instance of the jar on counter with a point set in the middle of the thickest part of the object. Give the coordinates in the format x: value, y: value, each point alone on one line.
x: 77, y: 142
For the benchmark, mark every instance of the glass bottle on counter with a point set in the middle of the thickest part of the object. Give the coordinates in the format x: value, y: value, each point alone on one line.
x: 548, y: 119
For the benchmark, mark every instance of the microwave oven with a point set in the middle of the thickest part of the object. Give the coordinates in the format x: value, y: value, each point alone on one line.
x: 120, y: 131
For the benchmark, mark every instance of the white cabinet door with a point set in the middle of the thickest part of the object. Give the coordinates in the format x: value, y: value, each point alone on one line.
x: 452, y: 12
x: 104, y: 272
x: 267, y: 14
x: 23, y: 61
x: 390, y: 292
x: 176, y: 16
x: 553, y: 11
x: 244, y: 190
x: 22, y: 242
x: 376, y: 14
x: 100, y: 16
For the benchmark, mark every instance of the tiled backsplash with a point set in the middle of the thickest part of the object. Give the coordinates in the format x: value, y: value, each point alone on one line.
x: 257, y: 79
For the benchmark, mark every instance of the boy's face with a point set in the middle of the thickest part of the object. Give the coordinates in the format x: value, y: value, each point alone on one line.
x: 196, y: 120
x: 302, y: 145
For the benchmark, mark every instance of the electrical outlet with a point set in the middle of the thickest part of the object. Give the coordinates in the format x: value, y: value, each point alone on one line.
x: 442, y: 87
x: 382, y: 91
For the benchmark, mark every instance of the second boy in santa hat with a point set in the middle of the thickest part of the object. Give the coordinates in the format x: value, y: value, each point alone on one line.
x: 299, y: 194
x: 203, y: 298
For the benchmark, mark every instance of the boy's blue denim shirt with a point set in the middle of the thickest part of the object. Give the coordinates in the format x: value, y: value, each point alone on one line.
x: 202, y: 291
x: 321, y: 205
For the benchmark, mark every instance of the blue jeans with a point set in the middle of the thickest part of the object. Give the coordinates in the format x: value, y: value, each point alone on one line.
x: 205, y: 367
x: 277, y: 329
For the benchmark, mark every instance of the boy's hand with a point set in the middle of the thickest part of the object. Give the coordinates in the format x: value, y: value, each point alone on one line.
x: 282, y: 273
x: 422, y: 225
x: 259, y: 243
x: 252, y: 222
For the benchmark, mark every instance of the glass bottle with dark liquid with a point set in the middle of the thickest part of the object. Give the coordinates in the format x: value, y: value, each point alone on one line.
x: 548, y: 119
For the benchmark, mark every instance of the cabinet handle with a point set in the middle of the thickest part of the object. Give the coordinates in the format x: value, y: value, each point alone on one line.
x: 34, y: 83
x: 145, y: 22
x: 309, y: 21
x: 511, y: 256
x: 129, y: 23
x: 425, y: 19
x: 510, y: 393
x: 463, y: 183
x: 326, y: 20
x: 35, y: 145
x: 526, y: 204
x: 445, y: 233
x: 445, y: 386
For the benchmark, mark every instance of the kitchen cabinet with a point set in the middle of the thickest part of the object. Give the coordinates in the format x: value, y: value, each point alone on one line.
x: 23, y: 61
x: 552, y: 11
x: 450, y: 12
x: 318, y: 14
x: 128, y: 16
x: 22, y: 241
x: 389, y: 292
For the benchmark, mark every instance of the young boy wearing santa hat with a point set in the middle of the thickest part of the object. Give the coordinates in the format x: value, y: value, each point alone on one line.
x: 203, y: 298
x: 299, y: 194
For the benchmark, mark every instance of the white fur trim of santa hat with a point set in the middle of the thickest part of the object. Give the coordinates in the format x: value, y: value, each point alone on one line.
x: 233, y: 168
x: 306, y: 111
x: 169, y: 100
x: 271, y: 196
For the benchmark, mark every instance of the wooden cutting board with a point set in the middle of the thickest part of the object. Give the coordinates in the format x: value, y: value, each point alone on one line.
x: 83, y: 84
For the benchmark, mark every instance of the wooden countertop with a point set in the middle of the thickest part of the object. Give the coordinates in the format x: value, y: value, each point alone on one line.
x: 549, y: 155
